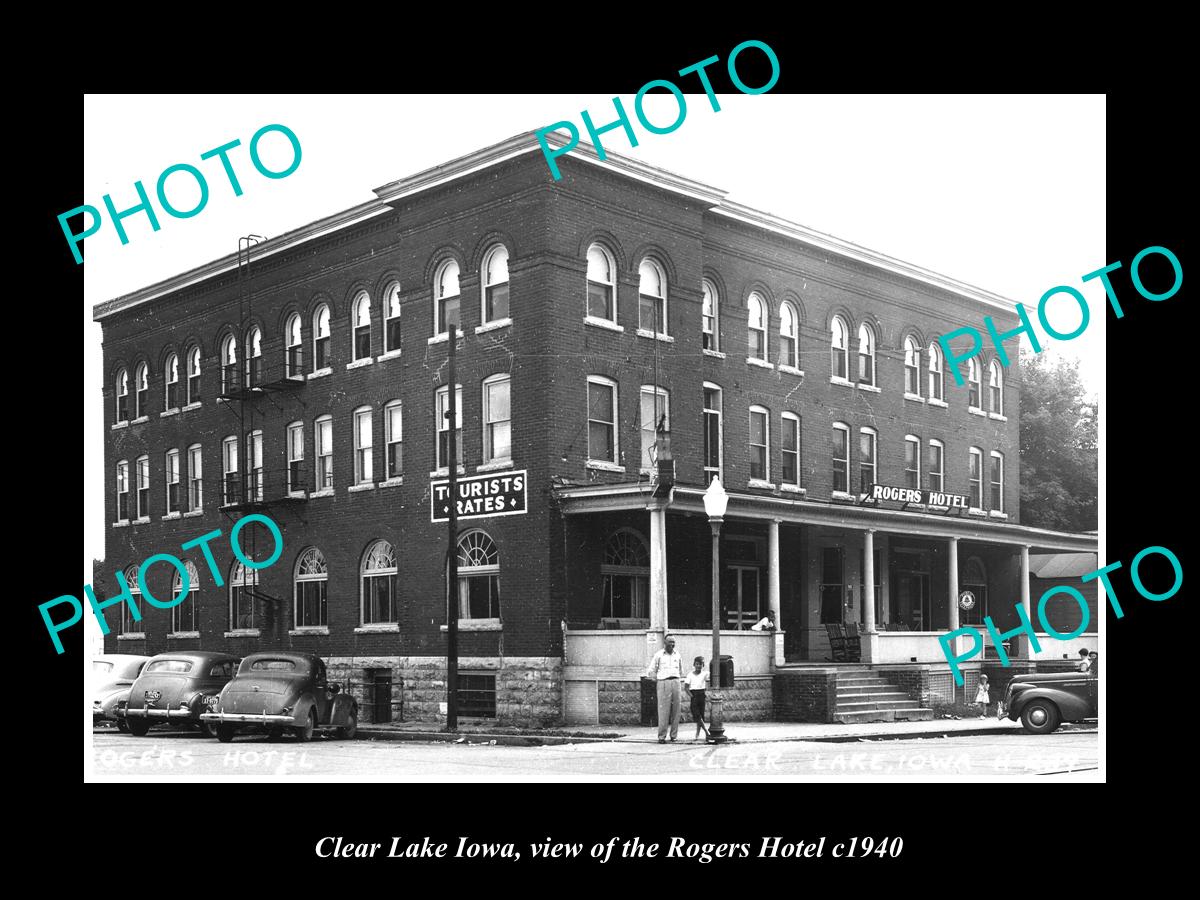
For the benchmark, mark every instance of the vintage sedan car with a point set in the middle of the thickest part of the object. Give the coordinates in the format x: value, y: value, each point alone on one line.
x: 175, y: 687
x: 278, y: 691
x: 111, y: 678
x: 1043, y: 702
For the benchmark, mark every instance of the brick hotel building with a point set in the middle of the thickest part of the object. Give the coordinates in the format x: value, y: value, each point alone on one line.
x: 605, y: 319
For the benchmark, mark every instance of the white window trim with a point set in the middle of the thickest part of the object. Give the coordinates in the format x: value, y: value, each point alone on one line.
x: 612, y: 465
x: 354, y: 329
x: 716, y: 316
x: 498, y: 461
x: 360, y: 482
x: 444, y: 337
x: 939, y: 403
x: 660, y: 336
x: 494, y: 325
x: 356, y: 488
x: 843, y: 427
x: 495, y: 465
x: 140, y: 420
x: 760, y: 483
x: 766, y: 414
x: 597, y: 322
x: 359, y: 363
x: 391, y: 482
x: 788, y: 485
x: 915, y: 398
x: 913, y: 439
x: 378, y: 628
x: 437, y: 277
x: 654, y: 394
x: 996, y: 454
x: 998, y: 417
x: 976, y: 411
x: 612, y: 267
x: 975, y: 451
x: 869, y: 387
x: 791, y: 370
x: 309, y: 629
x: 666, y: 291
x: 755, y: 298
x: 490, y: 324
x: 837, y: 379
x: 715, y: 354
x: 760, y: 363
x: 389, y: 354
x: 866, y: 429
x: 444, y: 471
x: 196, y: 405
x: 319, y: 373
x: 712, y: 386
x: 437, y: 428
x: 934, y: 442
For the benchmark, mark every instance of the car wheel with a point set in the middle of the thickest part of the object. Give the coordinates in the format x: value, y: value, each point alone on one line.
x: 208, y: 729
x: 274, y: 734
x: 224, y: 733
x: 122, y: 726
x: 1040, y: 717
x: 348, y: 732
x: 305, y: 731
x: 138, y: 727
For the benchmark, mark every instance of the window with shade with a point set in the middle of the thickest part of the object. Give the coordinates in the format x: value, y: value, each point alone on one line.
x: 497, y: 419
x: 379, y: 582
x: 495, y: 285
x: 602, y: 419
x: 323, y: 433
x: 393, y: 420
x: 712, y: 432
x: 866, y: 354
x: 478, y: 577
x: 123, y: 491
x: 839, y: 347
x: 363, y: 446
x: 912, y: 366
x: 391, y: 324
x: 655, y: 417
x: 122, y: 396
x: 143, y: 487
x: 171, y: 470
x: 141, y: 381
x: 311, y: 588
x: 243, y: 584
x: 867, y: 440
x: 841, y: 458
x: 446, y: 296
x: 193, y: 371
x: 601, y: 284
x: 321, y: 338
x: 294, y: 359
x: 361, y: 317
x: 996, y: 387
x: 997, y: 481
x: 935, y: 468
x: 760, y: 464
x: 295, y: 457
x: 973, y: 384
x: 442, y: 407
x: 626, y: 576
x: 231, y: 487
x: 789, y: 449
x: 789, y: 336
x: 709, y: 327
x: 652, y: 297
x: 756, y: 309
x: 912, y: 462
x: 976, y: 478
x: 936, y: 372
x: 195, y: 477
x: 171, y: 375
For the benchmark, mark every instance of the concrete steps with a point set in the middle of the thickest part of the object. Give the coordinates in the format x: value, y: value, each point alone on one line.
x: 865, y: 696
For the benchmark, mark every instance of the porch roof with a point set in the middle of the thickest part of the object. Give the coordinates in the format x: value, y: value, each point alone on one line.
x: 599, y: 498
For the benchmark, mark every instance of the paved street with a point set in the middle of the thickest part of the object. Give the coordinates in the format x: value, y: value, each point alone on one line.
x: 172, y: 756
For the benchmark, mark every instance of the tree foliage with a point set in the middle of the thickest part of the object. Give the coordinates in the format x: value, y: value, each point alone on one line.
x: 1059, y: 484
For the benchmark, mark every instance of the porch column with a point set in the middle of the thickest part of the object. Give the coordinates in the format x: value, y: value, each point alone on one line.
x: 658, y: 568
x: 773, y: 587
x: 953, y: 584
x: 870, y: 639
x: 1025, y: 599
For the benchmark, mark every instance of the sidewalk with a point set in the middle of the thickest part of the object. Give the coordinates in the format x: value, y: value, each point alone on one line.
x: 739, y: 732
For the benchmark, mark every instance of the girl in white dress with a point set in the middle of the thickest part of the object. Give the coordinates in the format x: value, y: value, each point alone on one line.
x: 981, y: 696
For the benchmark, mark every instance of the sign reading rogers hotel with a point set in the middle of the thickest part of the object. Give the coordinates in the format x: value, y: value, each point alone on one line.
x: 502, y: 494
x: 916, y: 495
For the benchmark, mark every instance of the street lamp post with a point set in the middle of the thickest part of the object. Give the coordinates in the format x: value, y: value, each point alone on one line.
x: 715, y: 503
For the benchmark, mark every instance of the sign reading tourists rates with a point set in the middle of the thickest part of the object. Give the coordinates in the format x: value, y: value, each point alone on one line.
x: 479, y: 496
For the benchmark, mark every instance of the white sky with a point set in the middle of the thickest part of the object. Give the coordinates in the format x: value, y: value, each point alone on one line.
x: 1006, y: 193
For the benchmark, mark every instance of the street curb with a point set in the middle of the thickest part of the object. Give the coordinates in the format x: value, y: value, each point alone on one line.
x: 532, y: 740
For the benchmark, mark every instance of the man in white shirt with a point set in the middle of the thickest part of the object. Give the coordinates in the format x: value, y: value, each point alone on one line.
x: 668, y: 667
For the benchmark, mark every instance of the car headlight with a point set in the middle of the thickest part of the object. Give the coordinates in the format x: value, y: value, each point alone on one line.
x: 286, y: 711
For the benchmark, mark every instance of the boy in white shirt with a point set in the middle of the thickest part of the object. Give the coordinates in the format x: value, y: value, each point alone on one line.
x: 697, y: 681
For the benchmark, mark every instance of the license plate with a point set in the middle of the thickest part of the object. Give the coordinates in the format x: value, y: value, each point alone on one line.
x: 153, y: 695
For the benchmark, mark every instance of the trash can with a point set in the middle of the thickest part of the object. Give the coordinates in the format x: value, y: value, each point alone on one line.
x: 726, y: 673
x: 649, y: 701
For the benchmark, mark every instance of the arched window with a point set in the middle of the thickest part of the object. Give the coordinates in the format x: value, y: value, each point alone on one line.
x: 379, y: 576
x: 184, y: 619
x: 756, y: 309
x: 601, y: 284
x: 253, y: 356
x: 312, y: 578
x: 996, y: 387
x: 228, y: 364
x: 193, y: 371
x: 171, y: 376
x: 789, y: 336
x: 839, y: 345
x: 912, y: 367
x: 294, y: 362
x: 976, y: 479
x: 709, y: 317
x: 135, y: 591
x: 495, y: 284
x: 866, y: 354
x: 478, y: 577
x: 391, y: 322
x: 652, y: 297
x: 974, y: 386
x: 361, y: 317
x: 626, y: 575
x: 122, y: 394
x: 243, y: 584
x: 141, y: 381
x: 936, y: 373
x: 321, y: 338
x: 445, y: 293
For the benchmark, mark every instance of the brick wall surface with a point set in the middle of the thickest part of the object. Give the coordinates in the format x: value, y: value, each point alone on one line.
x: 805, y: 695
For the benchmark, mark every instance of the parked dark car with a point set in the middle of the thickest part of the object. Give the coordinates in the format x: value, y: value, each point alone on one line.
x: 175, y: 687
x: 279, y: 691
x: 1043, y: 702
x: 112, y: 676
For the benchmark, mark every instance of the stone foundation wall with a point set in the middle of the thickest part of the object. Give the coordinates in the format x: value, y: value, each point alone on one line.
x: 528, y: 688
x: 749, y: 700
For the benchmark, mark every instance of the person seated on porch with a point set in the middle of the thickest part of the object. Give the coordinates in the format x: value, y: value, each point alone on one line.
x: 766, y: 623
